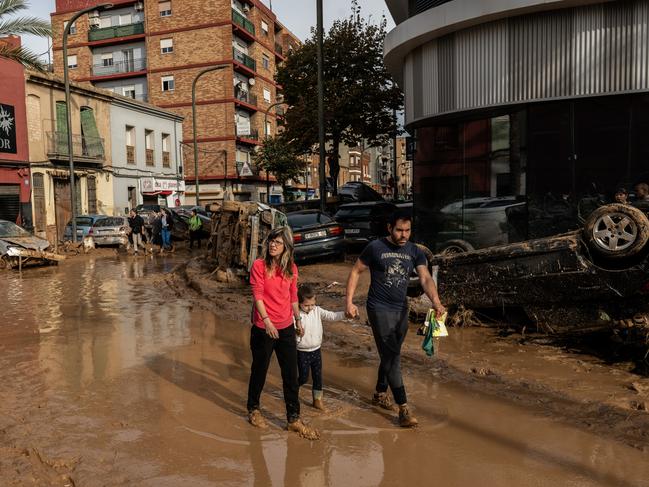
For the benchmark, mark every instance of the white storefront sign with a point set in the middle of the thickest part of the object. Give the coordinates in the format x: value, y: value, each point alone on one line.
x: 154, y: 185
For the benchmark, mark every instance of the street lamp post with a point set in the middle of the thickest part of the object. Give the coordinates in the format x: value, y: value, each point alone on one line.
x: 267, y: 135
x: 321, y: 126
x: 68, y: 118
x: 208, y: 70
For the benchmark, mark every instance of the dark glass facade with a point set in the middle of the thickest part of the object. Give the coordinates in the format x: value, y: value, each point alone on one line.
x: 528, y: 171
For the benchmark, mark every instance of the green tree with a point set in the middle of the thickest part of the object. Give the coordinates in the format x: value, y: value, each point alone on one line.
x: 18, y: 26
x: 278, y: 156
x: 360, y: 95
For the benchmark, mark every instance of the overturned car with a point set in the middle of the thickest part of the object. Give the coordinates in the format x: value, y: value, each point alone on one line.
x: 18, y: 247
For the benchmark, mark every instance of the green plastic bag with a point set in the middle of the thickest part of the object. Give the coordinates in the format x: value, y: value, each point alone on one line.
x: 434, y: 327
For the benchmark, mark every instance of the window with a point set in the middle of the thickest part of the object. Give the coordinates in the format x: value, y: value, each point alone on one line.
x: 105, y: 22
x: 165, y: 8
x: 107, y: 60
x: 148, y: 143
x: 92, y: 144
x: 264, y: 28
x: 269, y: 128
x: 128, y: 91
x: 168, y: 83
x: 125, y: 19
x: 72, y: 62
x: 130, y: 144
x: 267, y: 95
x: 73, y: 27
x: 166, y: 143
x: 166, y: 46
x: 265, y: 61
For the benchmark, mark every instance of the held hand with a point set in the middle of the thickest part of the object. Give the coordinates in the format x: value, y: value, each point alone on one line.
x: 351, y: 311
x: 439, y: 309
x: 299, y: 329
x: 271, y: 331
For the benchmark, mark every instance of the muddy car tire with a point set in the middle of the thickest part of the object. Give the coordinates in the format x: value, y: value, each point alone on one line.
x: 455, y: 247
x: 616, y: 231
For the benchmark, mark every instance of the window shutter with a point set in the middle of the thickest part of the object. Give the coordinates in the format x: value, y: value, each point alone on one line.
x: 61, y: 134
x: 164, y: 6
x: 90, y: 133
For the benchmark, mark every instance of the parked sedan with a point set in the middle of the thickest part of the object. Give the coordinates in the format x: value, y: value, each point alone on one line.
x: 19, y: 247
x: 315, y: 235
x: 363, y: 222
x: 110, y: 230
x: 84, y: 224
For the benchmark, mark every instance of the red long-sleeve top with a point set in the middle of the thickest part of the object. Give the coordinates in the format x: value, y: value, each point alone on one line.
x: 277, y: 292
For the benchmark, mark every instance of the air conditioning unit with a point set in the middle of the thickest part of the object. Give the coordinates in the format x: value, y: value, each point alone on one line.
x: 94, y: 22
x: 139, y: 6
x: 246, y: 8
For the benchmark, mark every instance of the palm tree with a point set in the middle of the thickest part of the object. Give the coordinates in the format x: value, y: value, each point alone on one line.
x: 21, y: 25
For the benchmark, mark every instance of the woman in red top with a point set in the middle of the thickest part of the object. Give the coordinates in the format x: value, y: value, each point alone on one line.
x: 274, y: 289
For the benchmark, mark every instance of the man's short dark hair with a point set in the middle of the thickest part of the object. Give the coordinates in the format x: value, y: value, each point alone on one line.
x: 399, y: 214
x: 304, y: 292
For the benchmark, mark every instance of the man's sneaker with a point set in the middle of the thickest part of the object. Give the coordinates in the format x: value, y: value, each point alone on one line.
x: 256, y: 419
x: 406, y: 420
x: 382, y: 400
x: 318, y: 404
x: 305, y: 431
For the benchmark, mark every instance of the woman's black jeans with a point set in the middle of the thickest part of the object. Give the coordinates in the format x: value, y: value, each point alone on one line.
x: 262, y: 347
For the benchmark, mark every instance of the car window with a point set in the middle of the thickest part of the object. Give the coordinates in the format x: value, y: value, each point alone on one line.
x: 499, y: 203
x: 8, y: 229
x: 83, y: 221
x: 109, y: 222
x: 355, y: 212
x: 299, y: 220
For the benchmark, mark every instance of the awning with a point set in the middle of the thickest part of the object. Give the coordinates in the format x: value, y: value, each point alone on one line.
x: 155, y: 193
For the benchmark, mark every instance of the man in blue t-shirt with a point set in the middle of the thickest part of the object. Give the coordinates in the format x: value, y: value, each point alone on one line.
x: 391, y: 261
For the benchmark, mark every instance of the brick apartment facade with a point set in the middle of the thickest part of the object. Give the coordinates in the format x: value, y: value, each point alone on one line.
x: 153, y: 49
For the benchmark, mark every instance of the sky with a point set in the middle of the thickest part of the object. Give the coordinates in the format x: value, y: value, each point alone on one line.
x: 297, y: 15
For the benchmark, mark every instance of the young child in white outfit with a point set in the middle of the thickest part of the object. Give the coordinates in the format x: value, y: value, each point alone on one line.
x: 309, y: 357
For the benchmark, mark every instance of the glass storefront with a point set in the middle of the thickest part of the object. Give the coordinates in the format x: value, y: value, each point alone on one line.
x: 528, y: 172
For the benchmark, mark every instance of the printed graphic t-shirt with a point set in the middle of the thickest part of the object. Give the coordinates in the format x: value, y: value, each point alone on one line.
x: 390, y: 267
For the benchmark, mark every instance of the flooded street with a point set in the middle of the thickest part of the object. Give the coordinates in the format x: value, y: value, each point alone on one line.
x: 109, y: 378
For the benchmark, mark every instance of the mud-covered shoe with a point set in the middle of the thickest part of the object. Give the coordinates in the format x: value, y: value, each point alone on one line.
x: 382, y: 400
x: 319, y: 405
x: 256, y: 419
x: 305, y: 431
x: 406, y: 420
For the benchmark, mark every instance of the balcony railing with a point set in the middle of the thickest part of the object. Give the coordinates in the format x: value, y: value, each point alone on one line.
x: 116, y: 31
x: 253, y: 134
x: 243, y: 22
x: 247, y: 97
x: 130, y: 66
x: 244, y: 59
x: 166, y: 159
x: 82, y: 147
x: 149, y: 157
x: 279, y: 49
x: 130, y: 154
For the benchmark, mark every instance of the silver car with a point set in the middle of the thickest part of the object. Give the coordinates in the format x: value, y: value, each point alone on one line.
x: 19, y: 247
x: 110, y: 230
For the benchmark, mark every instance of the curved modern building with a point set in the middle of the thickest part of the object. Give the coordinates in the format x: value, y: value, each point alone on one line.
x: 527, y: 114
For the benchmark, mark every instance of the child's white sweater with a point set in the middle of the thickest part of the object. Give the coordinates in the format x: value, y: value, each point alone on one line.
x: 312, y: 323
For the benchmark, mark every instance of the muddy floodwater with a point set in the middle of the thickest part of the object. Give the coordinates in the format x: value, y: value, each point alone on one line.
x: 107, y: 377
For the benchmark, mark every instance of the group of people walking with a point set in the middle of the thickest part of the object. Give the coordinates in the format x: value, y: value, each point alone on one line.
x: 287, y: 321
x: 161, y: 224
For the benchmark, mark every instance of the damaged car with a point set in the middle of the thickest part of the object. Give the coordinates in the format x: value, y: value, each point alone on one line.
x: 18, y: 247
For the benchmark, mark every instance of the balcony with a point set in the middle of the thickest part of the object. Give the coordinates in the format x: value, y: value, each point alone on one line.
x: 116, y: 31
x: 244, y: 24
x: 250, y: 138
x: 246, y: 97
x: 120, y: 67
x: 130, y: 154
x: 244, y: 59
x: 149, y: 157
x: 90, y: 149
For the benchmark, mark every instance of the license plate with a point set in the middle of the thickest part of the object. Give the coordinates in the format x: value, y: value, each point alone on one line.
x: 322, y: 233
x: 352, y: 231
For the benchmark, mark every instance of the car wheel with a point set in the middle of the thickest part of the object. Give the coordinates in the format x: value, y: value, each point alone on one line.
x: 616, y: 231
x: 452, y: 247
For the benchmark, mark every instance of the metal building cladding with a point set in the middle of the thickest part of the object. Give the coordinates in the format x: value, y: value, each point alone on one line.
x: 527, y: 114
x: 14, y: 157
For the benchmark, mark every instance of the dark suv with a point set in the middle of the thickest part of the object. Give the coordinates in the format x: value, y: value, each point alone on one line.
x: 363, y: 222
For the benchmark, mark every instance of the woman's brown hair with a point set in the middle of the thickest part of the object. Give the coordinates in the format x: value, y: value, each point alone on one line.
x: 286, y: 260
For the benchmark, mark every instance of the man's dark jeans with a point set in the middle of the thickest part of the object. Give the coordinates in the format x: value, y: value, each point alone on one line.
x: 262, y: 347
x: 389, y: 329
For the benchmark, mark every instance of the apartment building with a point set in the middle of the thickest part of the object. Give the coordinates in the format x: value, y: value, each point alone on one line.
x: 153, y: 50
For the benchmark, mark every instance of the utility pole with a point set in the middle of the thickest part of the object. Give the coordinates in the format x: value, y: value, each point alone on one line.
x: 395, y: 178
x: 321, y: 125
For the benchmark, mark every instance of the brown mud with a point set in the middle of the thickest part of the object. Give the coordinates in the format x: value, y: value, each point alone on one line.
x: 115, y: 371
